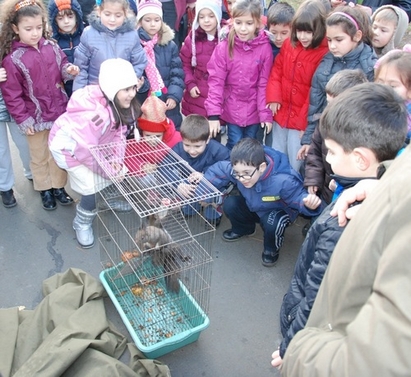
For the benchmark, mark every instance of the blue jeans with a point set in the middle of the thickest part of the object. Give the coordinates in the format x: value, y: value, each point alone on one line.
x: 243, y: 222
x: 236, y: 133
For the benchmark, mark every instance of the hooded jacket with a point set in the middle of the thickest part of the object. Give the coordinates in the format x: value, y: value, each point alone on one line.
x: 290, y: 82
x: 237, y: 85
x: 67, y: 42
x: 278, y: 188
x: 169, y: 65
x: 34, y: 92
x: 400, y: 29
x: 362, y: 57
x: 98, y: 43
x: 360, y: 323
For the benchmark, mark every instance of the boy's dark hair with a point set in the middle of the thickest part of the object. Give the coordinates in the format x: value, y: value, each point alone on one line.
x: 195, y: 128
x: 66, y: 12
x: 280, y: 14
x: 343, y: 80
x: 310, y: 16
x: 249, y: 152
x: 368, y: 115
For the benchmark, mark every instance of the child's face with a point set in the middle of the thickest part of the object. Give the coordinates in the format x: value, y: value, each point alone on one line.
x: 154, y: 138
x: 151, y: 23
x: 382, y: 32
x: 67, y: 23
x: 194, y: 148
x: 281, y: 32
x: 390, y: 76
x: 125, y: 96
x: 339, y: 42
x: 112, y: 15
x: 29, y: 30
x: 246, y: 174
x: 342, y: 163
x: 207, y: 21
x: 230, y: 4
x: 305, y: 38
x: 245, y: 27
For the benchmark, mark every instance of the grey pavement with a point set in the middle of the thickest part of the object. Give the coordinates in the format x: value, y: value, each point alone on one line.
x: 245, y: 296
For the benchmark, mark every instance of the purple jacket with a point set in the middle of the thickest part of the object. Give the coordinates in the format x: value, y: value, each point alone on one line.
x: 34, y: 91
x: 198, y: 75
x: 237, y: 86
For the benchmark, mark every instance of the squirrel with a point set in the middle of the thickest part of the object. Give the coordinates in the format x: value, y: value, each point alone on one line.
x: 152, y: 237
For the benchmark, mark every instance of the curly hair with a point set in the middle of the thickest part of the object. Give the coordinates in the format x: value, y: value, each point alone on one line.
x: 9, y: 16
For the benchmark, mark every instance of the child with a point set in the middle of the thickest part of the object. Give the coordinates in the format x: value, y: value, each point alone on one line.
x: 271, y: 193
x: 238, y: 72
x: 365, y: 126
x: 164, y: 68
x: 200, y: 152
x: 389, y: 24
x: 33, y: 92
x: 111, y: 34
x: 96, y: 114
x: 348, y: 34
x: 318, y: 171
x: 279, y: 18
x: 394, y: 69
x: 67, y: 24
x: 196, y: 53
x: 6, y: 167
x: 290, y: 79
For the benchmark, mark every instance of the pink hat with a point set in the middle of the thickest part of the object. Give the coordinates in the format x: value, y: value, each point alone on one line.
x: 147, y: 7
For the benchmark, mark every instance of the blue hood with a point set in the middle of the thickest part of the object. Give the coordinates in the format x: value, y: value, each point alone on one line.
x: 53, y: 11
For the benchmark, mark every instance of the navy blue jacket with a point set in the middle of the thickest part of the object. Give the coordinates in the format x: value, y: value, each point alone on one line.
x: 280, y: 187
x: 214, y: 152
x: 170, y: 67
x: 67, y: 42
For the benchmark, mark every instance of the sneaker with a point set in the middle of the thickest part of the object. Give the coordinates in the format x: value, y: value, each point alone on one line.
x: 8, y: 198
x: 269, y: 258
x: 230, y: 236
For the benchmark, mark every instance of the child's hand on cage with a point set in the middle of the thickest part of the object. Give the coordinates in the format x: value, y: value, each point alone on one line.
x: 195, y: 178
x: 119, y: 170
x: 186, y: 190
x: 149, y: 168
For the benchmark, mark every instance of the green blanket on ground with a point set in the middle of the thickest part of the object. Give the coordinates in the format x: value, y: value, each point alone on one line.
x: 68, y: 334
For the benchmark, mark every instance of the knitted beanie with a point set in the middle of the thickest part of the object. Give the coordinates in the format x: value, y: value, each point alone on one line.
x: 147, y: 7
x: 116, y: 74
x: 215, y: 7
x: 153, y: 118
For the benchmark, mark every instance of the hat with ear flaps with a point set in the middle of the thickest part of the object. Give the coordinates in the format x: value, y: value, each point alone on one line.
x: 215, y: 7
x: 153, y: 118
x: 116, y: 74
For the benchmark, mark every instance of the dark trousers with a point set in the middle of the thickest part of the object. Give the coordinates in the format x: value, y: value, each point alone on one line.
x: 243, y: 222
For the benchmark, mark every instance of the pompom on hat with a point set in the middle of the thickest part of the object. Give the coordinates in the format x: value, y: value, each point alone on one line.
x: 215, y: 7
x: 149, y: 6
x: 154, y: 117
x: 116, y: 74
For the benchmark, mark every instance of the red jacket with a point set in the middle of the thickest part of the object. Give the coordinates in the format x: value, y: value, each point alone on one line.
x: 290, y: 82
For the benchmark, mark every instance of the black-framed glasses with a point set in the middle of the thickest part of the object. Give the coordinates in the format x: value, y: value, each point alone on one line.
x: 243, y: 176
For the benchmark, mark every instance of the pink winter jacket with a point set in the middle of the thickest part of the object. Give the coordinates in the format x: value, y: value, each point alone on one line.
x: 87, y: 122
x: 237, y: 86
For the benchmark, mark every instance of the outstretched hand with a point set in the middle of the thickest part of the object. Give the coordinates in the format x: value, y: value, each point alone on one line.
x: 312, y: 201
x: 73, y: 70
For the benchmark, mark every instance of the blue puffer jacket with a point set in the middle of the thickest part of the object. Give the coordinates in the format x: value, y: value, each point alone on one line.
x: 362, y: 57
x: 67, y: 42
x: 279, y: 187
x: 170, y: 67
x: 98, y: 43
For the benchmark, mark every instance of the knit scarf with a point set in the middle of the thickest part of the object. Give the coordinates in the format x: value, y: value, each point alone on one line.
x: 156, y: 82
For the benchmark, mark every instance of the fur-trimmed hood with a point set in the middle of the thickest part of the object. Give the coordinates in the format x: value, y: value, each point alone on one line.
x: 167, y: 35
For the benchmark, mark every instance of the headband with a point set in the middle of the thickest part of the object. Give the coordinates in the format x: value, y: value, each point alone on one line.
x: 24, y: 3
x: 349, y: 17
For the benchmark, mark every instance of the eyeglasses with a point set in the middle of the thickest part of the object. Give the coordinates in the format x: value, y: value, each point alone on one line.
x: 244, y: 176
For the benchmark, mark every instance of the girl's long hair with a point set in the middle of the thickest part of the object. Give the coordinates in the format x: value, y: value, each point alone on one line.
x: 9, y: 16
x: 124, y: 116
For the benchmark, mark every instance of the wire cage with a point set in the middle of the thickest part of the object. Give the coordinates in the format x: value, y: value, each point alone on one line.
x: 155, y: 242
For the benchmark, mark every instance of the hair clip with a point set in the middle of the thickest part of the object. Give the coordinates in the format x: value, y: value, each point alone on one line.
x: 24, y: 3
x: 98, y: 3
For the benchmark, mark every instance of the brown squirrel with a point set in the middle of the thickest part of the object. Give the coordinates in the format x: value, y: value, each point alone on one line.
x: 152, y: 237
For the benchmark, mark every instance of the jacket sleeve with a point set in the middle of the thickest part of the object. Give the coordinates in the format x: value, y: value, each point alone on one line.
x: 82, y: 56
x: 218, y: 71
x: 324, y: 246
x: 219, y: 175
x: 273, y: 92
x: 314, y: 166
x: 265, y: 114
x: 138, y: 57
x: 176, y: 86
x: 186, y: 55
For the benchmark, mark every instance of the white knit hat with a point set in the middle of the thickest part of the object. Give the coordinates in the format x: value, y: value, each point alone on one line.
x: 215, y: 7
x: 149, y: 6
x: 116, y: 74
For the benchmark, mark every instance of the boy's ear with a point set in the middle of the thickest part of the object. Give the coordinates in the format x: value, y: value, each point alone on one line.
x: 363, y: 158
x: 262, y: 167
x: 357, y: 36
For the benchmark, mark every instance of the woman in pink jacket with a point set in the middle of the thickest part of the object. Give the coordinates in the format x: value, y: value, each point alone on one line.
x: 238, y: 73
x: 96, y: 115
